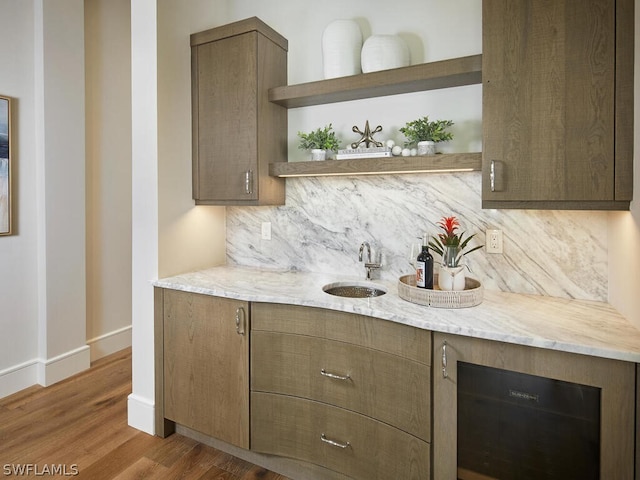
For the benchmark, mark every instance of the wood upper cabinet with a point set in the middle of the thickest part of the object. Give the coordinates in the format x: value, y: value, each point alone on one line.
x: 557, y: 104
x: 204, y: 372
x: 237, y: 132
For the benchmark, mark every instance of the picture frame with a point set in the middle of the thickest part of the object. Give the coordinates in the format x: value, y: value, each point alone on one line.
x: 6, y: 206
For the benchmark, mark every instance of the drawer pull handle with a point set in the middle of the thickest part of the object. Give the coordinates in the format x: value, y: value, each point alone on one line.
x: 333, y: 443
x: 334, y: 376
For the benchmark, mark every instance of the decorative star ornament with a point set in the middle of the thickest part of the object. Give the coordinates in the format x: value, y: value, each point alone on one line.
x: 367, y: 136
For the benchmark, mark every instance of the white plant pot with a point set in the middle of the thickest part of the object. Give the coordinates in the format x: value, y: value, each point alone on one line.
x: 426, y: 148
x: 341, y: 47
x: 451, y: 278
x: 318, y: 154
x: 382, y: 52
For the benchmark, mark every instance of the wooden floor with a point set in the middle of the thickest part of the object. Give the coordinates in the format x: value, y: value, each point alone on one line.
x: 80, y: 425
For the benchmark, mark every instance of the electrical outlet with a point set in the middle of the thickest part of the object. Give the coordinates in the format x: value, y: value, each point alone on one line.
x: 266, y: 230
x: 493, y: 241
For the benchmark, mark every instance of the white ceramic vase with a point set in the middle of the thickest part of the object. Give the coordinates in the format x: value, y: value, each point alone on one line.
x: 426, y: 148
x: 341, y: 47
x: 382, y: 52
x: 318, y: 154
x: 451, y: 278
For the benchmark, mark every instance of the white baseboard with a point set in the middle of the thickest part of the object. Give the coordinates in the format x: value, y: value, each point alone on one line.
x: 63, y: 366
x: 43, y: 372
x: 18, y: 378
x: 109, y: 343
x: 48, y: 372
x: 141, y: 414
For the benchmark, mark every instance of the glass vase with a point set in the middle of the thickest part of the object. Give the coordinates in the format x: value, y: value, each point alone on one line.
x: 451, y: 275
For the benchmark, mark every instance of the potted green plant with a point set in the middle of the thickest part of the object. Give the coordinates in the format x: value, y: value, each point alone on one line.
x: 451, y: 247
x: 425, y: 134
x: 319, y: 142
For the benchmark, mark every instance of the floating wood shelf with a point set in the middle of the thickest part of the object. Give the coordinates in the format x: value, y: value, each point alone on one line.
x: 447, y: 162
x: 426, y: 76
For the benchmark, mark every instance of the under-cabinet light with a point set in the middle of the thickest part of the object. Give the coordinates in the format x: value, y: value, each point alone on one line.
x: 355, y: 174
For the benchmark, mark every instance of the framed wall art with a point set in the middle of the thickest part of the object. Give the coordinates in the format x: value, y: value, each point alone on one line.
x: 5, y: 166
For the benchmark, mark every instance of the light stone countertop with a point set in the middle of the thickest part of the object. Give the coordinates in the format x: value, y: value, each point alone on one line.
x: 585, y: 327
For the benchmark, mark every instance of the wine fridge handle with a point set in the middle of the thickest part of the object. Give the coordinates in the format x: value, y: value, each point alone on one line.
x: 445, y: 374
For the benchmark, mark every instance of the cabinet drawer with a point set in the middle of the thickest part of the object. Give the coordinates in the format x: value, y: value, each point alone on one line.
x: 402, y: 340
x: 383, y: 386
x: 294, y: 427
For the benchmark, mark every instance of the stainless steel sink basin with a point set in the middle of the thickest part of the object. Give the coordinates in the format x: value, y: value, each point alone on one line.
x: 354, y: 290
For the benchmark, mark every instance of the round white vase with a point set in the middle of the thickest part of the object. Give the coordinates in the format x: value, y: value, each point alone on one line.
x: 451, y: 278
x: 382, y: 52
x: 341, y: 47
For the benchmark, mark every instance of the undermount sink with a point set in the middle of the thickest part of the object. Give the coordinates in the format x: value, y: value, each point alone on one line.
x: 354, y: 290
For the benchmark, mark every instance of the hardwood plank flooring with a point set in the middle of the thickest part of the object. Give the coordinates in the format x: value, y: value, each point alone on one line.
x: 80, y: 424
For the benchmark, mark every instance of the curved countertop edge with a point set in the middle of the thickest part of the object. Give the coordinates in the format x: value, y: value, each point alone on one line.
x: 576, y: 326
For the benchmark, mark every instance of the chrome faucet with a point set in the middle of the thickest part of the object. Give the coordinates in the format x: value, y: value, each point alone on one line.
x: 369, y: 265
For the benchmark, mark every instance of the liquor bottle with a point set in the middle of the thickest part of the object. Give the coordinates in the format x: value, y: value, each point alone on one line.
x: 424, y: 266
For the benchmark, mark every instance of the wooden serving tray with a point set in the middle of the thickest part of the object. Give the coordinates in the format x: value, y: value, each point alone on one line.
x: 469, y: 297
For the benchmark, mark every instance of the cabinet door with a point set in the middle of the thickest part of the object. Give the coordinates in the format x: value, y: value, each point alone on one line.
x: 225, y: 118
x: 206, y: 365
x: 616, y: 379
x: 556, y: 103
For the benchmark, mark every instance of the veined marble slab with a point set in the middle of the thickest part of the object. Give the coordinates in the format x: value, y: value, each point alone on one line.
x: 325, y: 219
x: 577, y: 326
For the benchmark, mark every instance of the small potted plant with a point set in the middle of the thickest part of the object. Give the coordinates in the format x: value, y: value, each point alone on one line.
x: 450, y: 246
x: 319, y: 142
x: 425, y: 134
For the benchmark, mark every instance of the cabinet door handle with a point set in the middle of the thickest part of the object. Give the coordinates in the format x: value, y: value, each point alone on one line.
x: 445, y: 374
x: 241, y: 320
x: 248, y: 182
x: 334, y: 443
x: 492, y: 176
x: 334, y: 375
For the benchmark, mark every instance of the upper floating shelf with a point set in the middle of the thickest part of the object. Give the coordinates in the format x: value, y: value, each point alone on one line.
x: 416, y: 78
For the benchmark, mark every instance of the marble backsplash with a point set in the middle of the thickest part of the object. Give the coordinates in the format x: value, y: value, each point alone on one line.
x: 325, y: 219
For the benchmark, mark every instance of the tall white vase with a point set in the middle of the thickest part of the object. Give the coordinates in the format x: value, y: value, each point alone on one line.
x: 341, y: 47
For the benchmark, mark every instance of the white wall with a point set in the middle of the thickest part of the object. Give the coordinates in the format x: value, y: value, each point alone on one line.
x: 108, y: 178
x: 42, y: 284
x: 18, y: 259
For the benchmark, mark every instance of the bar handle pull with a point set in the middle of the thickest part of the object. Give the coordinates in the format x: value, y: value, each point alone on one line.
x: 334, y: 443
x: 241, y: 320
x: 492, y: 176
x: 445, y: 374
x: 334, y: 375
x: 248, y: 182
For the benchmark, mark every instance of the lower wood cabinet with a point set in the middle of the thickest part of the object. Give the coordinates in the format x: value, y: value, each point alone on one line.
x: 340, y: 395
x: 341, y: 440
x: 344, y: 391
x: 203, y: 375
